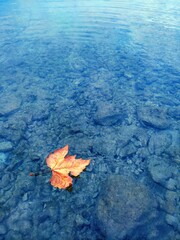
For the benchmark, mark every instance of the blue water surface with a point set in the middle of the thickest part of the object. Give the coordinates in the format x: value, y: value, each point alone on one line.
x: 103, y: 77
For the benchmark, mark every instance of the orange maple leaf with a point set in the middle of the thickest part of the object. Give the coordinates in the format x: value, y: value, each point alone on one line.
x: 62, y: 165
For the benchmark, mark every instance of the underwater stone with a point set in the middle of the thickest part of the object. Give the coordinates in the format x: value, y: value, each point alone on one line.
x: 5, y: 146
x: 3, y: 157
x: 25, y: 197
x: 40, y: 111
x: 160, y: 142
x: 108, y: 115
x: 142, y: 153
x: 160, y: 170
x: 153, y: 116
x: 123, y: 207
x: 9, y: 105
x: 141, y: 136
x: 128, y: 150
x: 171, y: 184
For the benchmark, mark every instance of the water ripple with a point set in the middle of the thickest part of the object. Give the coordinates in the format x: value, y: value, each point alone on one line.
x: 84, y: 20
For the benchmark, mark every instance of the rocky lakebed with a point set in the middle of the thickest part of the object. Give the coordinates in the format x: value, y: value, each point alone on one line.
x: 113, y: 100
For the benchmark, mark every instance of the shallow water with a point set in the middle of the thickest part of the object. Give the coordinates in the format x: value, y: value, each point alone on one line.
x: 102, y: 77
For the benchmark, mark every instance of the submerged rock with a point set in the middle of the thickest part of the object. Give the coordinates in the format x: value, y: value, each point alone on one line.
x: 153, y: 116
x: 162, y: 171
x: 124, y: 207
x: 160, y: 142
x: 9, y: 105
x: 40, y: 111
x: 3, y: 157
x: 108, y: 115
x: 5, y: 146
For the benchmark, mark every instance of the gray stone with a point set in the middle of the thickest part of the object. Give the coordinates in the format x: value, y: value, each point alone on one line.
x: 3, y: 157
x: 5, y: 146
x: 104, y: 148
x: 161, y: 170
x: 123, y: 207
x: 141, y: 137
x: 25, y: 197
x: 9, y: 104
x: 172, y: 184
x: 128, y: 150
x: 108, y: 115
x: 153, y: 116
x: 125, y: 135
x: 160, y: 142
x: 142, y: 153
x: 40, y: 111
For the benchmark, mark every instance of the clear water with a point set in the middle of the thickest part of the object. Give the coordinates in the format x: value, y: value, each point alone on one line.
x: 102, y: 77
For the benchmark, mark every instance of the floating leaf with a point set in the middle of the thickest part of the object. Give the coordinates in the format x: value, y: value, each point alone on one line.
x: 62, y: 165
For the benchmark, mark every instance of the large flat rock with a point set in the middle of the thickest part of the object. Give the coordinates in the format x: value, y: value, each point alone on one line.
x: 124, y: 206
